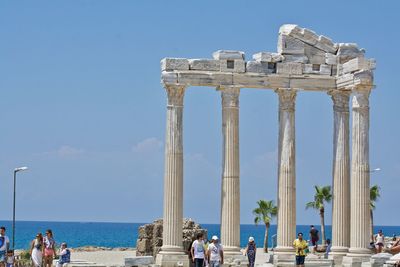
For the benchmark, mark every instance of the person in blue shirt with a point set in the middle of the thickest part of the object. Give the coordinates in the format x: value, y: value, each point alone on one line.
x: 65, y: 255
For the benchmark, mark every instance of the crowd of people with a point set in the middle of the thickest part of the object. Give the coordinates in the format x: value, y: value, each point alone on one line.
x: 42, y: 250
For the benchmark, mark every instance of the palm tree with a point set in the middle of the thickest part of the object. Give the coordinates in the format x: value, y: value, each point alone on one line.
x: 265, y: 211
x: 374, y: 195
x: 322, y: 194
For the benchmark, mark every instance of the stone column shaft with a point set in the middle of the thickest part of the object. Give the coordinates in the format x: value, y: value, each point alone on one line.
x: 173, y: 175
x: 341, y: 174
x: 230, y: 189
x: 360, y: 175
x: 286, y: 231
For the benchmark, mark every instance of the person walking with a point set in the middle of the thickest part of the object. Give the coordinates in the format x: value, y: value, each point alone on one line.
x: 4, y: 246
x: 250, y: 251
x: 198, y: 251
x: 215, y: 253
x: 314, y: 237
x: 379, y: 241
x: 300, y: 246
x: 49, y: 249
x: 36, y: 250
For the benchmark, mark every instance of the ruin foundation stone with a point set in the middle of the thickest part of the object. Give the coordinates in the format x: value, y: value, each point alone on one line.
x: 149, y: 241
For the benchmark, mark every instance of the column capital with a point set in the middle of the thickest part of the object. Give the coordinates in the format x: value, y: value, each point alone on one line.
x: 230, y: 96
x: 175, y: 94
x: 340, y: 100
x: 287, y: 98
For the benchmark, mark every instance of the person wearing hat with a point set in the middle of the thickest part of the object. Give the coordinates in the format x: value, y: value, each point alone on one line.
x: 215, y: 253
x: 250, y: 251
x: 65, y: 255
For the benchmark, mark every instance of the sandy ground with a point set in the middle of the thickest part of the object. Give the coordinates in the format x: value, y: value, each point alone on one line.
x: 116, y: 258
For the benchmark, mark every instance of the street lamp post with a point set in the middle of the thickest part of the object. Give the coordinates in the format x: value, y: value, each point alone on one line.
x: 15, y: 183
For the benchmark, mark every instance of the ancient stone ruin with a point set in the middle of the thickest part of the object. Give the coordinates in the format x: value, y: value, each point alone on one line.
x: 150, y: 236
x: 304, y: 61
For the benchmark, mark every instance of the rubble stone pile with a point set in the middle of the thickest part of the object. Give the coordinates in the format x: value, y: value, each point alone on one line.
x: 150, y: 236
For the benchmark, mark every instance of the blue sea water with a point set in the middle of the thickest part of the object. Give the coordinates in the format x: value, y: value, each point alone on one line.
x: 78, y: 234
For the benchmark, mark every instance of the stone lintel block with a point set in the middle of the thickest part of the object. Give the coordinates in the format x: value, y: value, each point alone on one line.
x: 289, y: 68
x: 356, y: 64
x: 331, y: 59
x: 204, y: 78
x: 228, y: 54
x: 254, y: 80
x: 344, y: 80
x: 268, y: 57
x: 313, y: 83
x: 204, y: 64
x: 296, y: 58
x: 169, y: 77
x: 261, y: 67
x: 232, y: 65
x: 169, y: 64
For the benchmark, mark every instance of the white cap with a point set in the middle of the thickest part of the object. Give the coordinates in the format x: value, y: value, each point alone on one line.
x: 251, y: 239
x: 214, y: 237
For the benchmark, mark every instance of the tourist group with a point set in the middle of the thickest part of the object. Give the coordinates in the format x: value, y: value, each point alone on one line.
x: 42, y: 251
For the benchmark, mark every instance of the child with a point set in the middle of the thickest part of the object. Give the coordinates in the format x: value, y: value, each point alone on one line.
x: 10, y: 258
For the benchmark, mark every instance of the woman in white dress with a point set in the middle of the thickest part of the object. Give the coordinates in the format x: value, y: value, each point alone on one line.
x: 36, y: 250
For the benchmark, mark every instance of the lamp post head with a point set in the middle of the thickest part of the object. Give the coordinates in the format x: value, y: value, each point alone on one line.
x: 20, y: 169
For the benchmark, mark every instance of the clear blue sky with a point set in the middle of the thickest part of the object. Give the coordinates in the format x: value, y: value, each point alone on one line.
x: 81, y: 104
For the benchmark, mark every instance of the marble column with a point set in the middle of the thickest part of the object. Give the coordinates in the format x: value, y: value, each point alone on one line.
x: 360, y: 180
x: 286, y: 231
x: 230, y: 189
x: 341, y: 176
x: 172, y: 249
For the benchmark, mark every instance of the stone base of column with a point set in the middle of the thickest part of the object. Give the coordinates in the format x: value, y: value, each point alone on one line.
x: 284, y: 257
x: 337, y: 254
x: 356, y: 257
x: 169, y: 259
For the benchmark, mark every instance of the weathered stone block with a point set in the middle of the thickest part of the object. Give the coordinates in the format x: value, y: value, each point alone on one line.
x: 139, y: 261
x: 169, y: 77
x: 268, y: 57
x: 331, y: 59
x: 204, y: 64
x: 326, y: 44
x: 325, y: 69
x: 359, y: 63
x: 235, y: 65
x: 157, y: 230
x: 169, y: 64
x: 322, y: 69
x: 296, y: 58
x: 348, y: 51
x: 289, y: 68
x: 204, y: 78
x: 143, y: 245
x: 228, y: 54
x: 260, y: 67
x: 289, y: 45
